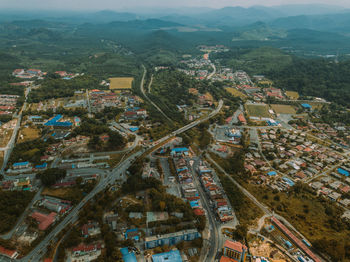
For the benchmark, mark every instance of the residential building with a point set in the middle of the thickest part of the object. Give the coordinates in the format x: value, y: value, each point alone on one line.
x: 171, y: 239
x: 234, y: 251
x: 12, y: 254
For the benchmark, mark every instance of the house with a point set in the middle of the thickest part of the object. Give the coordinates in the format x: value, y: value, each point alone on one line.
x: 334, y: 196
x: 86, y: 252
x: 234, y: 251
x: 18, y: 72
x: 44, y: 220
x: 12, y: 254
x: 90, y: 229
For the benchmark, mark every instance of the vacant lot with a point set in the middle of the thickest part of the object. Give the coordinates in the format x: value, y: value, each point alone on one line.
x: 28, y: 134
x: 235, y: 92
x: 5, y: 136
x: 292, y: 95
x: 258, y: 110
x: 283, y: 109
x: 121, y: 82
x: 1, y: 157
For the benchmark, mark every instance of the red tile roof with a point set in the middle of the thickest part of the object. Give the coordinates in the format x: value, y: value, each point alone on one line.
x: 226, y: 259
x: 6, y: 252
x: 44, y: 220
x: 237, y: 246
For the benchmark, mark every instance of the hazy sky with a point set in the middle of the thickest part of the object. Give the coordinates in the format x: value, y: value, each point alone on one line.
x: 127, y: 4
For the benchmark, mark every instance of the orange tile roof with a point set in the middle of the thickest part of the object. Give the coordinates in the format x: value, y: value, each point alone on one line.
x: 7, y: 252
x: 235, y: 245
x: 226, y: 259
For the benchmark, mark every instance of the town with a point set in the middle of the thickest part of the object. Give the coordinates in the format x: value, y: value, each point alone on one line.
x: 125, y: 157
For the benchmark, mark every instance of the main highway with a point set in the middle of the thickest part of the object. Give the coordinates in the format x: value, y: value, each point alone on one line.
x: 106, y: 181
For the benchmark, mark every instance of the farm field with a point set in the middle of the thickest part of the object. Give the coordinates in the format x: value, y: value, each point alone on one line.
x: 283, y: 109
x: 27, y: 134
x: 121, y: 82
x: 258, y: 110
x: 235, y: 92
x: 292, y: 95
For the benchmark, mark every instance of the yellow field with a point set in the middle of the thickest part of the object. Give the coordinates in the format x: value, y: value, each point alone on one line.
x: 121, y: 82
x: 235, y: 92
x: 283, y: 109
x: 28, y: 133
x: 292, y: 95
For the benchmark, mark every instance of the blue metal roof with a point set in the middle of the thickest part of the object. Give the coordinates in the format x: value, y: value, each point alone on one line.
x: 21, y: 163
x: 179, y: 150
x: 288, y: 181
x: 272, y: 173
x: 306, y: 106
x: 128, y: 256
x: 54, y: 122
x: 171, y: 256
x: 343, y: 172
x: 41, y: 166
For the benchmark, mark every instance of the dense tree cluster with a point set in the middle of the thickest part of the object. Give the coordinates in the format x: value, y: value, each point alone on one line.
x: 12, y: 205
x: 51, y: 176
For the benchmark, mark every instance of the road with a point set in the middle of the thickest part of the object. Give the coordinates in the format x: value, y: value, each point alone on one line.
x: 214, y: 234
x: 12, y: 141
x: 109, y: 179
x: 145, y: 95
x: 214, y: 70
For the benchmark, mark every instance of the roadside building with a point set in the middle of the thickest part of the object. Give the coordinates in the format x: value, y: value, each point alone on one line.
x: 234, y: 251
x: 12, y: 254
x: 21, y: 165
x: 44, y: 220
x: 171, y: 239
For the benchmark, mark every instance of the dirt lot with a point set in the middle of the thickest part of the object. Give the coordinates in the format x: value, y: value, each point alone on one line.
x: 59, y: 192
x: 121, y: 82
x: 292, y: 95
x: 264, y: 249
x: 235, y: 92
x: 258, y: 110
x: 283, y: 109
x: 27, y: 134
x: 5, y: 136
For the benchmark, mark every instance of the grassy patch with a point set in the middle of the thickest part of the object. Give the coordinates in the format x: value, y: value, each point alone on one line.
x: 235, y: 92
x: 5, y: 136
x: 283, y: 109
x: 28, y: 134
x: 258, y: 110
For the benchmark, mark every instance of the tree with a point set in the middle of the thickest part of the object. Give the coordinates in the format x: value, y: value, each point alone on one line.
x: 51, y: 176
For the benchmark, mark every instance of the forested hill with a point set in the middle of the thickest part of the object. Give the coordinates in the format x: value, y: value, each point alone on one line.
x: 316, y: 77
